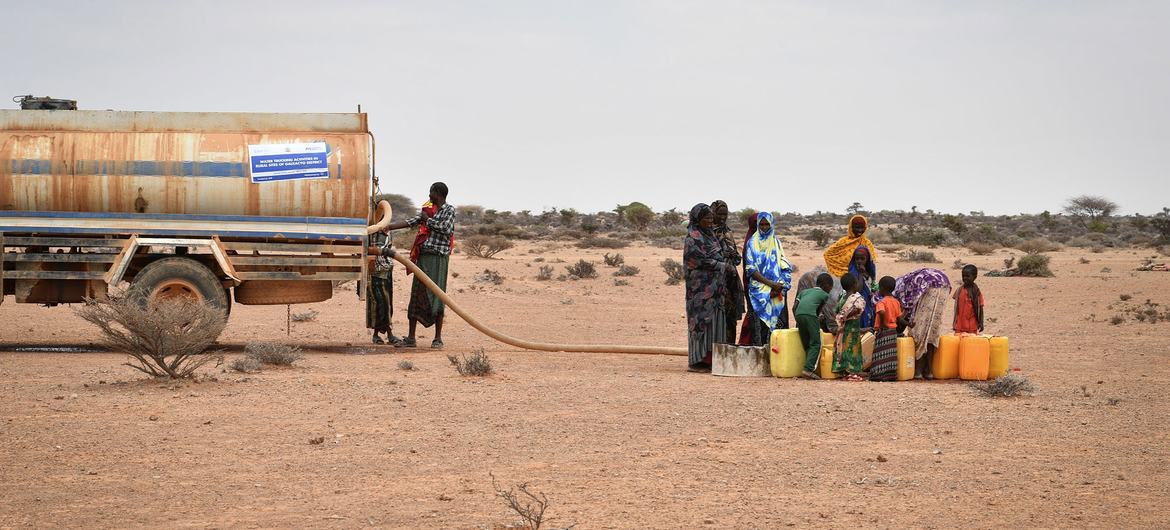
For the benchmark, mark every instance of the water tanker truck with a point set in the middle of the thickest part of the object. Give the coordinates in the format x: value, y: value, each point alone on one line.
x: 222, y: 208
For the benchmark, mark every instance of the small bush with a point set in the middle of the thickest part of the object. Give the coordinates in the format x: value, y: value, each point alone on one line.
x: 307, y: 316
x: 482, y: 246
x: 820, y: 236
x: 273, y: 353
x: 582, y: 269
x: 405, y: 365
x: 918, y: 256
x: 1117, y: 319
x: 246, y: 365
x: 477, y: 364
x: 166, y: 338
x: 602, y: 242
x: 1035, y: 265
x: 618, y: 282
x: 627, y: 270
x: 1037, y: 245
x: 615, y: 260
x: 1126, y: 297
x: 1010, y: 385
x: 1097, y: 249
x: 489, y: 276
x: 674, y: 271
x: 545, y: 273
x: 981, y: 249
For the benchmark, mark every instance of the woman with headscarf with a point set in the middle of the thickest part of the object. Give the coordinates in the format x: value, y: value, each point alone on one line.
x: 864, y: 269
x: 924, y: 294
x: 733, y: 299
x: 745, y: 329
x: 840, y: 254
x: 769, y: 275
x: 705, y: 288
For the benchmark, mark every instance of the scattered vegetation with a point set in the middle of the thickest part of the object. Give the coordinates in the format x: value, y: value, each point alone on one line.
x: 1117, y: 319
x: 582, y: 269
x: 1125, y: 297
x: 980, y: 248
x: 489, y: 276
x: 918, y: 256
x: 307, y: 316
x: 1010, y: 385
x: 545, y: 273
x: 618, y: 282
x: 477, y: 364
x: 615, y: 260
x: 485, y: 247
x: 273, y: 353
x: 165, y: 338
x: 405, y: 365
x: 674, y: 271
x: 820, y: 236
x: 602, y: 242
x: 627, y: 270
x: 1037, y: 246
x: 1035, y: 265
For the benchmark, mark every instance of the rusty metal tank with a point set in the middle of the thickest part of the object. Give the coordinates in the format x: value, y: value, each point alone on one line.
x: 186, y: 163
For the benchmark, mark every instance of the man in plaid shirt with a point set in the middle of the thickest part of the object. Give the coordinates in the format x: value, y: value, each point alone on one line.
x: 432, y: 254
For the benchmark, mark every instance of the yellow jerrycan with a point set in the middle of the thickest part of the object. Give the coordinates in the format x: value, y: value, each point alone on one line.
x: 945, y: 364
x: 787, y: 357
x: 998, y: 358
x: 974, y: 354
x: 828, y: 346
x: 905, y: 358
x: 867, y: 341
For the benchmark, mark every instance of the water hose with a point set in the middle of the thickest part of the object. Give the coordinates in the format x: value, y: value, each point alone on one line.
x: 519, y: 343
x: 384, y: 207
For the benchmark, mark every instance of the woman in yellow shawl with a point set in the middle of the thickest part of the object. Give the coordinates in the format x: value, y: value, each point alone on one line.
x: 840, y: 254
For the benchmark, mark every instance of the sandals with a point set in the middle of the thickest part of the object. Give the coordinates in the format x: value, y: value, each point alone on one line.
x: 809, y: 375
x: 408, y: 342
x: 437, y: 344
x: 392, y: 340
x: 854, y: 377
x: 378, y: 340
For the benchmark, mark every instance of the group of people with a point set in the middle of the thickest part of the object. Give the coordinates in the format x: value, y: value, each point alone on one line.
x: 431, y: 252
x: 845, y: 297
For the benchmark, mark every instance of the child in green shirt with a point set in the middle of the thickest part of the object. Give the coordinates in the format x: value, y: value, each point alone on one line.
x: 806, y: 311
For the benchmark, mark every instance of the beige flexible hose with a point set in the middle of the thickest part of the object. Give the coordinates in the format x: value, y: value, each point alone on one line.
x: 529, y: 345
x: 387, y: 212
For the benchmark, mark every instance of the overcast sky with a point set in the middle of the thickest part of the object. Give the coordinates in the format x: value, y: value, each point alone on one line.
x: 1004, y: 107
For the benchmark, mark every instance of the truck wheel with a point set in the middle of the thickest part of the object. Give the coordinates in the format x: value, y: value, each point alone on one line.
x: 281, y: 292
x: 181, y: 277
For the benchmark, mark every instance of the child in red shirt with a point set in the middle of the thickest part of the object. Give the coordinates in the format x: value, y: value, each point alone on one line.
x: 969, y: 303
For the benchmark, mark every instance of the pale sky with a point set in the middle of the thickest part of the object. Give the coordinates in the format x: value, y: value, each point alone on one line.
x: 1001, y: 106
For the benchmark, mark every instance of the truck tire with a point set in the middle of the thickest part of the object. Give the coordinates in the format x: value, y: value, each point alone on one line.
x: 281, y: 292
x: 181, y: 277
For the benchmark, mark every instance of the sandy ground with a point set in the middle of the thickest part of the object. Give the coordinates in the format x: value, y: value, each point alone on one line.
x: 615, y: 441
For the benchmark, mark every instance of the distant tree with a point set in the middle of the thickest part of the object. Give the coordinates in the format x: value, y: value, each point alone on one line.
x: 637, y: 214
x: 671, y: 218
x: 1092, y: 208
x: 401, y: 206
x: 469, y: 213
x: 1161, y: 224
x: 954, y: 224
x: 568, y: 217
x: 854, y: 208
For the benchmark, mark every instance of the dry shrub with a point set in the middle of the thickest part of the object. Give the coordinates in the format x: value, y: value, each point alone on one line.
x: 918, y: 256
x: 545, y: 273
x: 485, y: 246
x: 674, y: 271
x: 273, y: 353
x: 627, y: 270
x: 618, y: 282
x: 582, y: 269
x: 489, y: 276
x: 477, y: 364
x: 246, y: 365
x: 820, y: 236
x: 602, y: 242
x: 981, y: 249
x: 615, y: 260
x: 307, y: 316
x: 1034, y: 265
x: 1117, y: 319
x: 166, y: 338
x: 405, y: 365
x: 1010, y: 385
x: 1037, y: 245
x: 530, y: 506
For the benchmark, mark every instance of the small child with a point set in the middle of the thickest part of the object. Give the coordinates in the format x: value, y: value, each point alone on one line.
x: 847, y: 357
x: 969, y: 303
x: 806, y: 310
x: 888, y: 322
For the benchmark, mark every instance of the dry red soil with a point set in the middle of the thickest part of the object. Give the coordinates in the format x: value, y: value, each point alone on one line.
x: 615, y: 441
